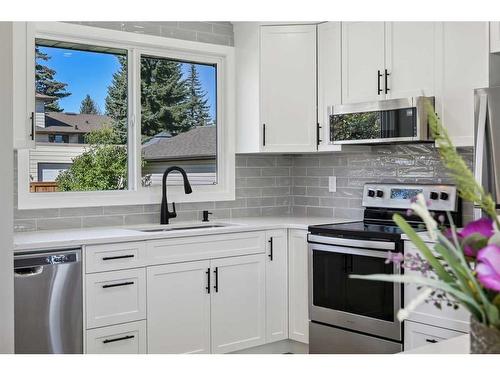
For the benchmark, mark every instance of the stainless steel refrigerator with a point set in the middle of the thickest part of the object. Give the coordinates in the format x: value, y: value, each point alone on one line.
x: 487, y: 142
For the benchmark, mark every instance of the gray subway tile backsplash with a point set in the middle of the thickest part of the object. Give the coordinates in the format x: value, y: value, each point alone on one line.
x: 274, y: 185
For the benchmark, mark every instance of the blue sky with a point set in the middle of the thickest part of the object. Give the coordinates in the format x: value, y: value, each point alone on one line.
x: 91, y: 73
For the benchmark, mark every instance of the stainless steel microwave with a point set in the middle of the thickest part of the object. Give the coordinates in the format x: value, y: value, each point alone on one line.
x: 384, y: 121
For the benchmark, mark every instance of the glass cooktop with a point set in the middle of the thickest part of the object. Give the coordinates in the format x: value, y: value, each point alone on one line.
x: 360, y: 229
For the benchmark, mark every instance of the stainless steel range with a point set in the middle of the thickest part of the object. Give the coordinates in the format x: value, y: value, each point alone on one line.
x: 359, y: 316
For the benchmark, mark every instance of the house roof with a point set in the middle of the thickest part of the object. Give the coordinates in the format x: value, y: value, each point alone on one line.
x: 200, y: 142
x: 45, y: 98
x: 75, y: 123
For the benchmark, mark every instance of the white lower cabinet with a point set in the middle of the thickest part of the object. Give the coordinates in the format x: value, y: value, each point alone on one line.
x: 417, y: 334
x: 277, y: 286
x: 212, y: 306
x: 115, y: 297
x: 128, y: 338
x: 179, y: 308
x: 298, y: 326
x: 238, y: 303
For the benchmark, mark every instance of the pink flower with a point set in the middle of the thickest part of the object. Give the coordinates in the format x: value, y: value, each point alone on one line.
x: 488, y: 267
x: 481, y: 229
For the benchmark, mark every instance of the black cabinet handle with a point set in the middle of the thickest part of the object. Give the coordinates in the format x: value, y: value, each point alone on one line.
x: 119, y: 257
x: 119, y: 284
x: 128, y: 337
x: 387, y: 74
x: 216, y: 286
x: 208, y: 280
x: 270, y: 255
x: 432, y: 341
x: 379, y: 89
x: 32, y: 135
x: 263, y: 134
x: 318, y: 132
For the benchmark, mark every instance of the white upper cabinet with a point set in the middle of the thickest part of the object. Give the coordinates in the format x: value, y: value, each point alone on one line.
x: 238, y: 304
x: 362, y: 61
x: 494, y: 37
x: 329, y: 78
x: 275, y: 86
x: 410, y: 59
x: 23, y: 90
x: 464, y: 62
x: 386, y: 60
x: 277, y: 286
x: 288, y: 88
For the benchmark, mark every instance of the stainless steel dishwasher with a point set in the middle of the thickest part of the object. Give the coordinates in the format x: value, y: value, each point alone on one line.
x: 48, y: 302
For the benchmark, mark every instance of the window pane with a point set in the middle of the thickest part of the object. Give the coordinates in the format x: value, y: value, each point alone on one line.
x: 81, y: 122
x: 178, y: 120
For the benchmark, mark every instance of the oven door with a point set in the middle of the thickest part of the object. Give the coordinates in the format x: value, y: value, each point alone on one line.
x: 361, y: 305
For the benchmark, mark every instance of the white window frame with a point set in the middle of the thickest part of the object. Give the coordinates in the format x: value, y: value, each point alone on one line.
x: 136, y: 44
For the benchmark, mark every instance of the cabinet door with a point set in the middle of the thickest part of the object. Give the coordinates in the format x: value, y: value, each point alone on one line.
x: 465, y: 56
x: 23, y: 95
x: 298, y: 286
x: 276, y: 286
x: 329, y: 76
x: 238, y: 303
x: 410, y: 60
x: 288, y: 88
x: 494, y: 37
x: 362, y: 60
x: 417, y: 334
x: 179, y: 308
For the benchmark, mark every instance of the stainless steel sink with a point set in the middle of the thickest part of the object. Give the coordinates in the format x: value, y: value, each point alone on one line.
x: 190, y: 227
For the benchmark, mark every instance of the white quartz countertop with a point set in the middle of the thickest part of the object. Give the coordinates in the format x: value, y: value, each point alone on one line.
x: 456, y: 345
x: 55, y: 239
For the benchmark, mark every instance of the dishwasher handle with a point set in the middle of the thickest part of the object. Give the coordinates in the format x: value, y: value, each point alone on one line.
x: 28, y: 271
x: 46, y: 259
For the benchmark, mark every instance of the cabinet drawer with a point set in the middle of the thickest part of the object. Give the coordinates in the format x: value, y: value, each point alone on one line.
x: 417, y: 334
x: 114, y: 256
x: 196, y: 248
x: 128, y: 338
x: 115, y: 297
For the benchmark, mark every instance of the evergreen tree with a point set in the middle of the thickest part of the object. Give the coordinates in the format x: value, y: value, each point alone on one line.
x: 46, y: 84
x: 116, y: 100
x: 198, y: 109
x: 163, y: 97
x: 89, y: 106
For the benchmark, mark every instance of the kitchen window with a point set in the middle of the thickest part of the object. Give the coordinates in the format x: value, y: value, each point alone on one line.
x: 116, y: 109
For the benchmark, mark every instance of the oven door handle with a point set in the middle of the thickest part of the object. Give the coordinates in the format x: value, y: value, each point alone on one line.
x: 348, y: 250
x: 365, y: 244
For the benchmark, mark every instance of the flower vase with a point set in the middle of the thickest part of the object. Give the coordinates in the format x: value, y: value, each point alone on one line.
x: 484, y: 339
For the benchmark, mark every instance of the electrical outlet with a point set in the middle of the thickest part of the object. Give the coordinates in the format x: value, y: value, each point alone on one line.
x: 332, y: 184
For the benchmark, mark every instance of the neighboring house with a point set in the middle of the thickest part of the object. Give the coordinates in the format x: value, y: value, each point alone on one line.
x: 194, y: 150
x: 60, y: 137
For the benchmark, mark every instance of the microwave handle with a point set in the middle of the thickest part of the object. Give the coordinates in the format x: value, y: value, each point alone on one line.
x: 480, y: 138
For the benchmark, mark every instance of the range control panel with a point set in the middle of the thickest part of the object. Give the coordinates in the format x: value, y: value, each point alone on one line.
x: 438, y: 197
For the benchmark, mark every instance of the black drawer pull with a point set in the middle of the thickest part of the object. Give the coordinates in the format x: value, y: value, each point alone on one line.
x: 432, y: 341
x: 119, y: 284
x: 128, y: 337
x: 118, y: 257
